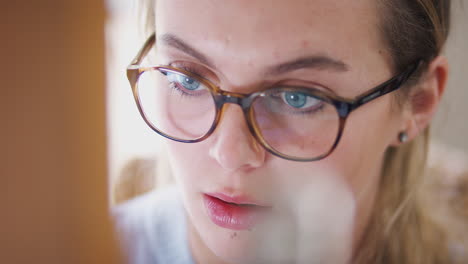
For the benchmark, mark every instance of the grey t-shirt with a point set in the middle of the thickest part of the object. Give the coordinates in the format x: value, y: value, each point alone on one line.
x: 152, y: 228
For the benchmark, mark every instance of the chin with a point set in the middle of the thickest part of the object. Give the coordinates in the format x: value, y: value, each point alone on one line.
x: 255, y: 246
x: 247, y: 247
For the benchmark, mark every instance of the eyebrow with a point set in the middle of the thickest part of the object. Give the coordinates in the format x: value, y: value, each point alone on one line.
x: 319, y: 62
x: 175, y: 42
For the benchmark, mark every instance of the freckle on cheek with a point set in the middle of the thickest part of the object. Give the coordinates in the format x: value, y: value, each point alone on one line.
x: 305, y: 43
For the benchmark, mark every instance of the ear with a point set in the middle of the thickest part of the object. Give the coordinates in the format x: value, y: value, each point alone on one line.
x: 424, y: 99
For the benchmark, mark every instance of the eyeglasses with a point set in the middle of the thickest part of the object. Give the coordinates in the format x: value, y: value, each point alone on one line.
x: 294, y: 123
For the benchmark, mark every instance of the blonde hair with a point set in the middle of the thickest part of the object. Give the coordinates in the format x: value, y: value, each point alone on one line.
x: 402, y: 230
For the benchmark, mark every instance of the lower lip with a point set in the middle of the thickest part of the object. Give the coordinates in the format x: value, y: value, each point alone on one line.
x: 232, y: 216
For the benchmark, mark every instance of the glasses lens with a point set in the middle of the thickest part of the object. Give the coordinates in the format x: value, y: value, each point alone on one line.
x: 177, y: 105
x: 296, y: 123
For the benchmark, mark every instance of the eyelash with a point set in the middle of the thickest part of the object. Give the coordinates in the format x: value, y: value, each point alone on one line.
x: 182, y: 92
x: 191, y: 69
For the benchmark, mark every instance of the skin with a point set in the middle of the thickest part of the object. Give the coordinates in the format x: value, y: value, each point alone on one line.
x: 321, y: 208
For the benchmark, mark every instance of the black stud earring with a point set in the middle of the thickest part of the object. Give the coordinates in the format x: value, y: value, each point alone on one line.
x: 403, y: 137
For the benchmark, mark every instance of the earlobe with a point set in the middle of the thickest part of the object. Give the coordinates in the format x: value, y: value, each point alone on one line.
x: 407, y: 133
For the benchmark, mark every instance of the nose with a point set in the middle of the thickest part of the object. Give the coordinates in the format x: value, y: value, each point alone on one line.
x: 232, y: 145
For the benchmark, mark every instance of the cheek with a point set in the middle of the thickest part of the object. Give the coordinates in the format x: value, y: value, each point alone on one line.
x: 187, y: 161
x: 360, y: 156
x: 316, y: 213
x: 330, y: 206
x: 184, y: 160
x: 368, y: 133
x: 191, y: 167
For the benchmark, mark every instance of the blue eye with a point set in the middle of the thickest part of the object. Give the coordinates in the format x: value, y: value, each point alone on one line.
x: 300, y: 100
x: 295, y: 99
x: 187, y: 82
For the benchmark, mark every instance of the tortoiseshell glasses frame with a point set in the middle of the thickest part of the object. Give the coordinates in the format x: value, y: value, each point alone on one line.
x: 344, y: 106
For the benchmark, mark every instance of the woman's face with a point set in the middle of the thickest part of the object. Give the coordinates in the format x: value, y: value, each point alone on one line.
x: 298, y: 211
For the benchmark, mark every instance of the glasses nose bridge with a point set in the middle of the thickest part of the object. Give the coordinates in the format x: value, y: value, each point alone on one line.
x: 234, y: 98
x: 241, y: 100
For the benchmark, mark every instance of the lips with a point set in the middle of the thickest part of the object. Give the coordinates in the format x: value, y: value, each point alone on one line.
x: 236, y: 213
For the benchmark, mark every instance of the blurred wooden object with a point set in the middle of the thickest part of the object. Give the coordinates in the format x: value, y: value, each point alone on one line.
x: 137, y: 177
x: 53, y: 177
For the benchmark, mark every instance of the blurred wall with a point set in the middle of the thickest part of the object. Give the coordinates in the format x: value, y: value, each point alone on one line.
x: 451, y: 124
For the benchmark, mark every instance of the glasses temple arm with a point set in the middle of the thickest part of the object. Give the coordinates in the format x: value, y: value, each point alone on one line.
x: 385, y: 88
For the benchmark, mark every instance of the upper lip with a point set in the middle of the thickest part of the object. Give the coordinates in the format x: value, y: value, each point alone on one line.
x: 237, y: 199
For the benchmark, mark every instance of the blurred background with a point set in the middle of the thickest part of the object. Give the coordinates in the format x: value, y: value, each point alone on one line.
x: 130, y: 138
x: 70, y: 127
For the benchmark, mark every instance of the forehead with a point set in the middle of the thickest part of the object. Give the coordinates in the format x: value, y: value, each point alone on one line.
x: 270, y: 23
x: 262, y: 32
